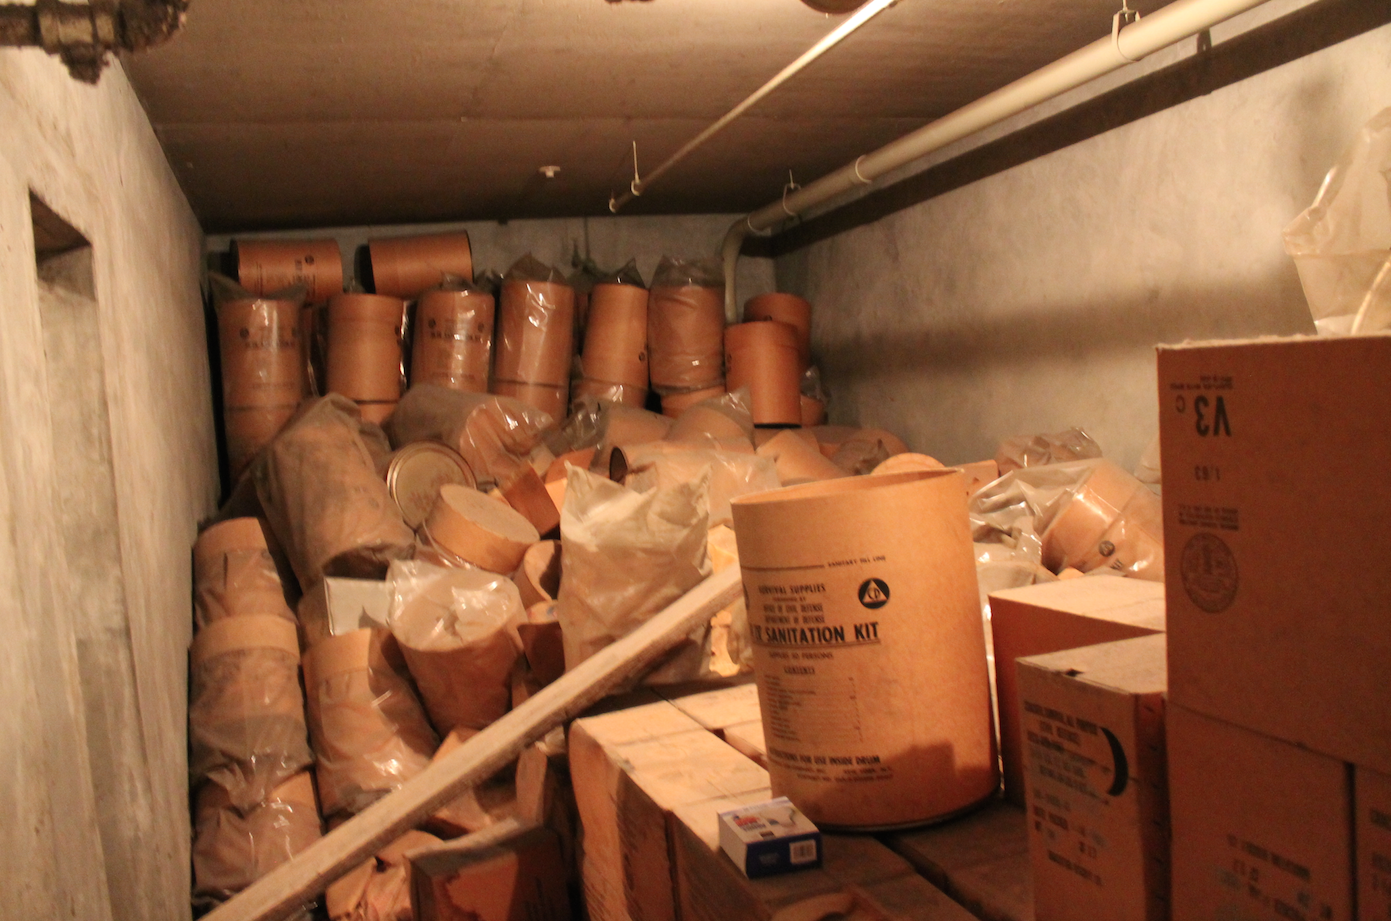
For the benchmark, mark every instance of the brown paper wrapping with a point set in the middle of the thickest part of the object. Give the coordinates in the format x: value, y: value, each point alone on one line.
x: 535, y: 333
x: 326, y: 503
x: 232, y: 848
x: 250, y: 430
x: 763, y: 356
x: 455, y: 628
x: 453, y: 334
x: 796, y: 461
x: 813, y: 411
x: 246, y: 713
x: 263, y: 356
x: 369, y: 730
x: 235, y: 575
x: 479, y: 530
x: 493, y: 434
x: 1112, y: 522
x: 685, y: 338
x: 378, y: 889
x: 868, y: 648
x: 415, y: 474
x: 674, y: 404
x: 264, y: 267
x: 615, y: 340
x: 481, y: 806
x: 364, y: 347
x: 784, y: 308
x: 406, y: 266
x: 376, y: 413
x: 551, y: 400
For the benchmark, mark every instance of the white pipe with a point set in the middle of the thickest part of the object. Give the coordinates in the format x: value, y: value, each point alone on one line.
x: 864, y: 15
x: 1175, y: 22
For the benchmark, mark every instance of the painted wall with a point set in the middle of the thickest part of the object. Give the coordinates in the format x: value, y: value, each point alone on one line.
x: 1031, y: 301
x: 106, y: 465
x: 609, y: 241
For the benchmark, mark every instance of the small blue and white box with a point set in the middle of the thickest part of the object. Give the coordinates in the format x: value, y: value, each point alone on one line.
x: 765, y: 839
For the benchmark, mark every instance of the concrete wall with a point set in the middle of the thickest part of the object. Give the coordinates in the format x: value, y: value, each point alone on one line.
x: 106, y: 465
x: 1030, y: 301
x: 609, y: 241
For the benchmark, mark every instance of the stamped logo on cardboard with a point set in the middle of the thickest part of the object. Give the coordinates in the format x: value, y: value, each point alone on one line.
x: 1209, y: 572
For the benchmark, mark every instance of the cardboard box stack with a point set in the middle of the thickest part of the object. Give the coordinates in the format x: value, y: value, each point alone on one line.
x: 1278, y: 635
x: 1093, y: 722
x: 1055, y: 616
x: 650, y: 781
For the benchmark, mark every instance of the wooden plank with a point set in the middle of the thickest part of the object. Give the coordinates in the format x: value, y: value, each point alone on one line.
x: 302, y: 879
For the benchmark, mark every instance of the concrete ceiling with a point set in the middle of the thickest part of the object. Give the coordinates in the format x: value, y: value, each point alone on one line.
x: 302, y: 113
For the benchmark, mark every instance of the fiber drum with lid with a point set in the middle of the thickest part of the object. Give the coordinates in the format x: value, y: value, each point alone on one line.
x: 406, y: 266
x: 266, y: 266
x: 453, y: 340
x: 415, y: 474
x: 615, y: 342
x: 364, y: 347
x: 784, y: 308
x: 763, y: 357
x: 868, y: 649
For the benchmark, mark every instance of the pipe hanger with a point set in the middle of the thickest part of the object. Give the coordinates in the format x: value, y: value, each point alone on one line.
x: 1131, y: 39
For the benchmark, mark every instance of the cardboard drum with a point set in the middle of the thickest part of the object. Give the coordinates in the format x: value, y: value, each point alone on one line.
x: 868, y: 648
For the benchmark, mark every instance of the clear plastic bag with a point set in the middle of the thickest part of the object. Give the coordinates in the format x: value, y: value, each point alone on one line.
x: 1041, y: 450
x: 457, y: 629
x: 494, y: 434
x: 685, y: 324
x: 625, y: 556
x: 369, y: 729
x: 1017, y: 508
x: 246, y: 583
x: 536, y: 323
x: 232, y: 847
x: 731, y: 474
x: 724, y: 421
x: 246, y: 712
x: 1111, y: 521
x: 1340, y: 244
x: 731, y: 644
x: 452, y: 335
x: 319, y: 487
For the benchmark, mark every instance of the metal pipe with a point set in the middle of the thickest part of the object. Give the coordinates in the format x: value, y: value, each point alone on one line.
x: 865, y: 14
x: 1175, y: 22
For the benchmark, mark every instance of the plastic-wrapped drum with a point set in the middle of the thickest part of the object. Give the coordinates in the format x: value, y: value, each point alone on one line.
x: 868, y: 648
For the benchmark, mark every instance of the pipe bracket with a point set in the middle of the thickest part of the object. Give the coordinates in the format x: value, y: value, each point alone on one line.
x: 1124, y: 17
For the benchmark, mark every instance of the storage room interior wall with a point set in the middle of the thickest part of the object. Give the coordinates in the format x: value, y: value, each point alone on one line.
x: 106, y: 466
x: 1032, y: 300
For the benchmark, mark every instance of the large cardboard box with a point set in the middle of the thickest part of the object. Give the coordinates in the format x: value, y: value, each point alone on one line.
x: 1372, y: 842
x: 630, y: 768
x: 1262, y: 829
x: 1060, y: 615
x: 1276, y: 534
x: 519, y: 877
x: 1093, y: 721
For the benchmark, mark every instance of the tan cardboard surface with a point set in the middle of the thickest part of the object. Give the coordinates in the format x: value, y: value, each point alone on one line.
x: 1060, y: 615
x: 981, y: 860
x: 1261, y: 829
x: 1274, y: 521
x: 1092, y: 721
x: 1372, y: 836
